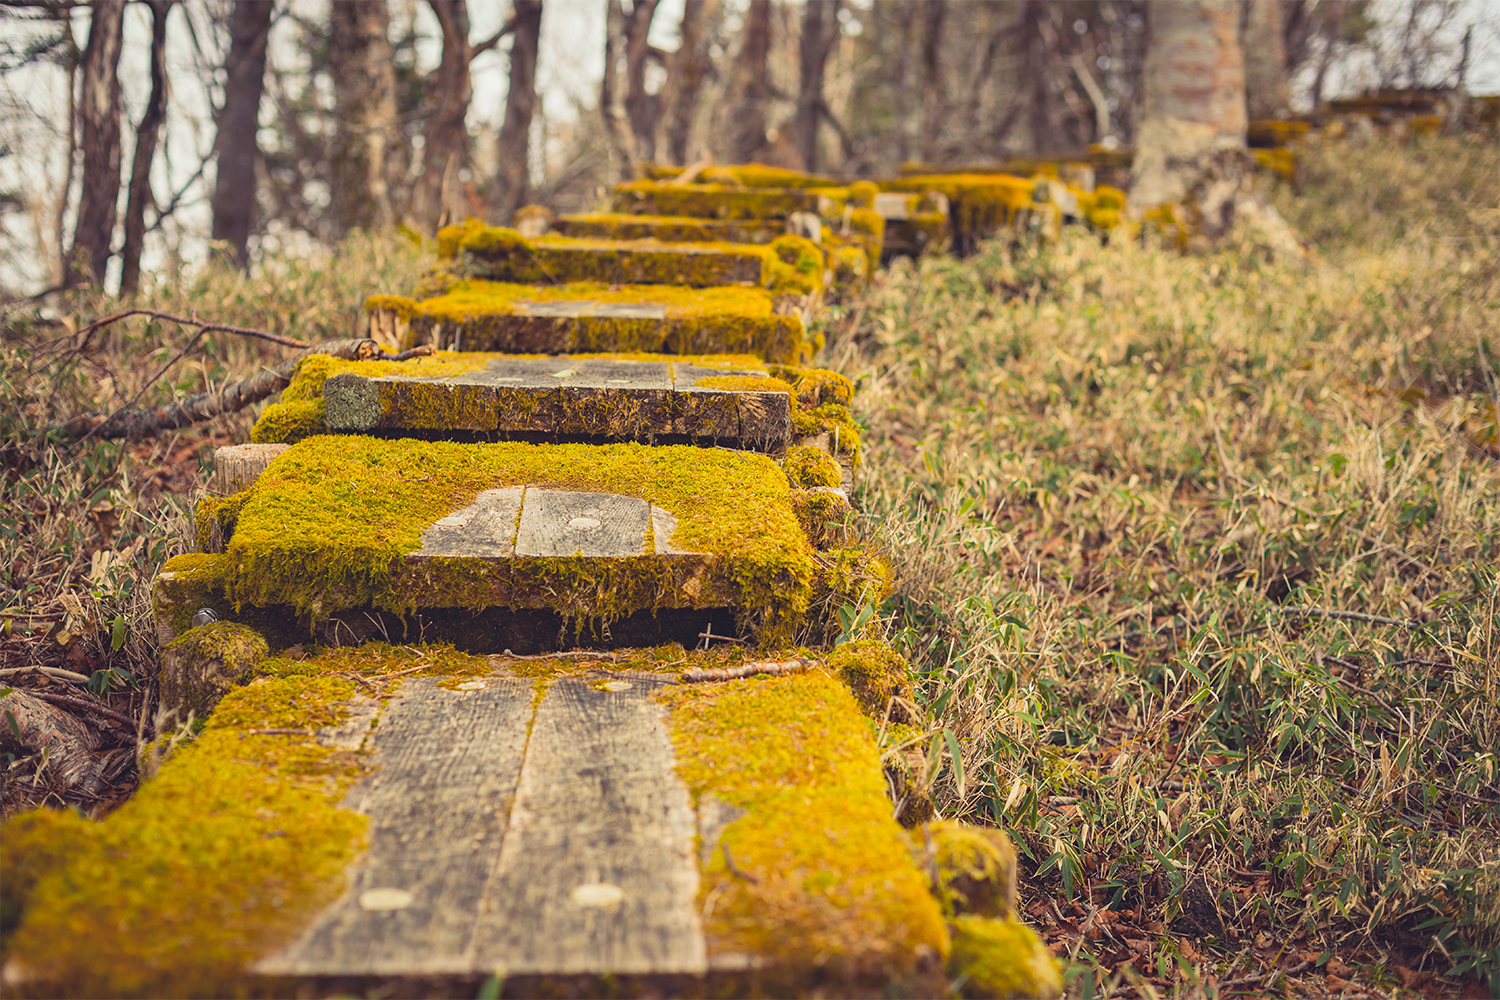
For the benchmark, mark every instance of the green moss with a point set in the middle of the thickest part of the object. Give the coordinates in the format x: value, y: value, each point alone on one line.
x: 219, y: 859
x: 669, y: 228
x: 329, y: 521
x: 807, y: 466
x: 487, y: 315
x: 834, y: 885
x: 749, y: 175
x: 974, y: 869
x: 1002, y: 958
x: 850, y: 577
x: 33, y: 845
x: 288, y: 423
x: 982, y: 205
x: 203, y: 664
x: 215, y: 516
x: 875, y: 672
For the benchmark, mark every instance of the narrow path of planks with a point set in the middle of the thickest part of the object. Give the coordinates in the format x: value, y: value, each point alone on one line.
x: 568, y: 850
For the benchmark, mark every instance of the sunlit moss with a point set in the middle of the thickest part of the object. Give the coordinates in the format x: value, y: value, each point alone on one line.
x: 807, y: 466
x: 1002, y: 958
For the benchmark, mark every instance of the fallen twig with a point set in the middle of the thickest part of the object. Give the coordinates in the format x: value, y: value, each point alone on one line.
x: 281, y: 732
x: 1353, y: 616
x: 134, y: 424
x: 56, y: 673
x: 746, y: 670
x: 584, y: 654
x: 242, y: 331
x: 735, y: 869
x: 92, y: 706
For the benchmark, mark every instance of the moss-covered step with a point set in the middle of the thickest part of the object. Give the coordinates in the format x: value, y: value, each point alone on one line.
x: 746, y: 175
x: 720, y: 201
x: 982, y: 205
x: 590, y: 316
x: 387, y: 815
x: 584, y: 397
x: 668, y: 228
x: 788, y: 263
x: 597, y: 532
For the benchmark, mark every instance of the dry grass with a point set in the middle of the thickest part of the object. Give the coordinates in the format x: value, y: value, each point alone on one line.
x: 1110, y: 478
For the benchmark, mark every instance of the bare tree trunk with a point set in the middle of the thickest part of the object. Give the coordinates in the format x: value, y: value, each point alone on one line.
x: 621, y: 141
x: 753, y: 70
x: 145, y: 152
x: 1333, y: 24
x: 60, y: 214
x: 932, y: 80
x: 235, y: 146
x: 641, y: 108
x: 1190, y: 148
x: 687, y: 71
x: 906, y: 15
x: 1037, y: 59
x: 1267, y: 94
x: 99, y: 111
x: 514, y: 159
x: 820, y: 33
x: 362, y: 65
x: 435, y: 202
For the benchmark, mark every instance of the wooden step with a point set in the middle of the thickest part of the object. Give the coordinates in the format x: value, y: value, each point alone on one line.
x: 668, y: 228
x: 566, y: 397
x: 714, y: 201
x: 386, y: 537
x: 392, y: 815
x: 787, y: 264
x: 591, y: 317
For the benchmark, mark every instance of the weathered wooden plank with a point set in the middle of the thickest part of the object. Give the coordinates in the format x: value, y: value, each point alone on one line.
x: 485, y: 529
x: 564, y: 523
x: 448, y: 765
x: 581, y: 308
x: 565, y: 396
x: 598, y: 870
x: 238, y: 465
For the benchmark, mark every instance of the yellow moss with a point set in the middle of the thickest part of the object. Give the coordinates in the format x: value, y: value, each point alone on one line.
x: 833, y: 419
x: 219, y: 859
x: 505, y: 255
x: 329, y: 520
x: 848, y: 577
x: 1002, y: 958
x: 974, y: 869
x: 32, y: 845
x: 487, y: 315
x: 288, y: 423
x: 835, y: 886
x: 743, y: 383
x: 983, y: 205
x: 749, y: 175
x: 721, y: 201
x: 213, y: 659
x: 874, y: 672
x: 823, y: 516
x: 862, y: 194
x: 807, y: 466
x: 669, y: 228
x: 816, y: 386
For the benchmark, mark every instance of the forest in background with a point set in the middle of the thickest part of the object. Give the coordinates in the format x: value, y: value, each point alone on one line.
x: 286, y: 125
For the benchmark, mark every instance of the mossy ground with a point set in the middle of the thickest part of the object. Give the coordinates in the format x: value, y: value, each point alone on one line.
x: 834, y: 882
x: 489, y: 315
x: 326, y: 526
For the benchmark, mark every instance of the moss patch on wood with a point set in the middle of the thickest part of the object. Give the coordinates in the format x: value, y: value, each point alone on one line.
x: 327, y: 526
x: 499, y: 254
x: 875, y: 673
x: 834, y: 884
x: 204, y: 664
x: 807, y: 467
x: 669, y: 228
x: 974, y: 869
x: 499, y: 316
x: 725, y: 201
x: 1001, y: 959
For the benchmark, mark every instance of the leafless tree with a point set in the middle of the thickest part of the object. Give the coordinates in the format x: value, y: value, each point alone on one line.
x: 99, y: 115
x: 146, y: 137
x: 513, y: 175
x: 820, y: 33
x: 752, y: 97
x: 688, y: 71
x: 1263, y: 39
x: 361, y: 64
x: 235, y: 147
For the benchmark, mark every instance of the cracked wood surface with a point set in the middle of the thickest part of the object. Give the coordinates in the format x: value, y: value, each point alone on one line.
x: 519, y: 838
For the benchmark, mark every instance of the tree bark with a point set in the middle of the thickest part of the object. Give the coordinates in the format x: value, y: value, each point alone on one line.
x: 1190, y: 148
x: 641, y: 108
x: 932, y: 79
x: 362, y: 65
x: 99, y: 112
x: 820, y: 33
x: 1267, y: 94
x: 616, y: 129
x: 146, y: 137
x: 1037, y: 60
x: 1333, y: 25
x: 32, y: 727
x: 754, y: 72
x: 514, y: 146
x: 687, y: 71
x: 906, y: 15
x: 235, y: 146
x: 435, y: 200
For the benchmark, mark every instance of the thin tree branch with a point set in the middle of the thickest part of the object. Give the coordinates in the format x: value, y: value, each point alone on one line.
x: 203, y: 328
x: 493, y: 40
